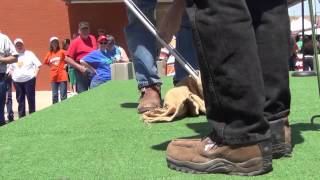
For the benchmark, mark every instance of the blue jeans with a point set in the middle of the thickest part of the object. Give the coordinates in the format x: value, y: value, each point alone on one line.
x: 95, y: 83
x: 56, y: 86
x: 3, y: 90
x: 142, y: 45
x: 24, y: 89
x: 9, y: 99
x: 82, y: 81
x: 186, y: 48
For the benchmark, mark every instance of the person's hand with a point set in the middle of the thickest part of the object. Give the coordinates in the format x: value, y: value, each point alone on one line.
x: 9, y: 74
x: 171, y: 22
x: 82, y: 69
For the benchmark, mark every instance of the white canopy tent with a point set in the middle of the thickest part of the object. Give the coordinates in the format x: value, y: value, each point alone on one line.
x: 296, y: 25
x: 309, y: 32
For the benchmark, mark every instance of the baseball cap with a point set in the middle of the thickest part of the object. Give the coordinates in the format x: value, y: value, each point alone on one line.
x: 83, y: 24
x: 101, y: 38
x: 18, y: 40
x: 110, y: 38
x: 54, y: 38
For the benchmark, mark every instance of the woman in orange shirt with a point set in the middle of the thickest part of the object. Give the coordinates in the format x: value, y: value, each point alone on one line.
x: 58, y: 74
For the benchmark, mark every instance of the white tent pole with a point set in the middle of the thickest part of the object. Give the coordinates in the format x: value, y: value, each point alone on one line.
x: 314, y: 41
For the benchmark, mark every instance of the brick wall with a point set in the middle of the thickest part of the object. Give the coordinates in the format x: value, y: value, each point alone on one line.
x: 37, y: 20
x: 110, y: 16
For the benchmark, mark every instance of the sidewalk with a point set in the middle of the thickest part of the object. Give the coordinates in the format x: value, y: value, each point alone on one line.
x: 43, y: 100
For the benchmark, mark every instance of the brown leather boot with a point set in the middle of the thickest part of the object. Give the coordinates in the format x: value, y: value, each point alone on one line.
x: 281, y: 138
x: 206, y: 156
x: 150, y: 98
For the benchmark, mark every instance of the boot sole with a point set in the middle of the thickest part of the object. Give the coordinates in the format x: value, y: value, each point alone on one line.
x: 143, y: 110
x: 252, y: 167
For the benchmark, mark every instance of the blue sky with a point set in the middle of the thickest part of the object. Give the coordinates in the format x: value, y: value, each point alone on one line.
x: 296, y: 10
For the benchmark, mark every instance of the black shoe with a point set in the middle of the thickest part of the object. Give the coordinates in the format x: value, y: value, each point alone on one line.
x: 10, y: 118
x: 281, y: 138
x: 2, y: 123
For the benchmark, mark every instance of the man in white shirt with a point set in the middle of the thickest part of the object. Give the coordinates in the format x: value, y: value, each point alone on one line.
x: 8, y: 55
x: 24, y: 73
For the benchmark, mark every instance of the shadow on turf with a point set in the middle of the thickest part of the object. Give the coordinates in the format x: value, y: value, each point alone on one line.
x: 202, y: 129
x: 129, y: 105
x: 298, y: 128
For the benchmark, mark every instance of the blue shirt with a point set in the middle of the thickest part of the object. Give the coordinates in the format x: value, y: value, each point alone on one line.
x: 114, y: 53
x: 100, y: 61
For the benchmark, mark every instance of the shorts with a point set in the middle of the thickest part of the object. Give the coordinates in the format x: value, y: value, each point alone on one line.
x: 72, y: 75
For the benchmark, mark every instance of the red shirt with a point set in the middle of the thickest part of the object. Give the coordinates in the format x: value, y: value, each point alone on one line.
x: 56, y: 62
x: 80, y: 47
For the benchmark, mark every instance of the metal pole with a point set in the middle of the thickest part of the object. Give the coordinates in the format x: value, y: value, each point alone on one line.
x: 314, y: 41
x: 137, y: 12
x: 302, y: 15
x: 315, y: 13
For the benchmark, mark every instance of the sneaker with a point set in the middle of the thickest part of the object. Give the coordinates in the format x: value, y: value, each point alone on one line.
x: 10, y: 118
x: 281, y: 138
x: 206, y: 156
x: 150, y: 98
x: 2, y: 123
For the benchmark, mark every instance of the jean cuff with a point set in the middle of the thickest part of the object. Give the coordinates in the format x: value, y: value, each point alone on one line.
x: 142, y: 84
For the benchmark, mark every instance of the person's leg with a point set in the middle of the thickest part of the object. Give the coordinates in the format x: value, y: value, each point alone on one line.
x: 54, y: 88
x: 96, y: 83
x: 3, y: 89
x: 186, y: 48
x: 9, y: 99
x: 30, y: 88
x: 234, y: 96
x: 142, y: 46
x: 21, y: 98
x: 292, y: 62
x: 311, y: 64
x: 82, y: 83
x: 270, y: 18
x: 63, y: 86
x: 72, y: 79
x: 231, y: 73
x: 308, y: 63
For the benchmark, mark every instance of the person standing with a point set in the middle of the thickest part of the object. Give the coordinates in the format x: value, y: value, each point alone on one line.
x: 80, y: 47
x: 58, y: 74
x: 117, y: 52
x: 246, y: 87
x: 98, y: 62
x: 8, y: 55
x: 24, y: 73
x: 71, y: 70
x: 112, y: 49
x: 142, y: 47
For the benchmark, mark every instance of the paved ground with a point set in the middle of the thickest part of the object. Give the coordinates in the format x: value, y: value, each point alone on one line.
x: 43, y: 100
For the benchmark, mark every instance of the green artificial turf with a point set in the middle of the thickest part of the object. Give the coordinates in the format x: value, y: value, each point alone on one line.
x: 99, y: 135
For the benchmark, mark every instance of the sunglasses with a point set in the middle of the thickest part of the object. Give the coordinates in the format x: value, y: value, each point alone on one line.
x: 106, y: 42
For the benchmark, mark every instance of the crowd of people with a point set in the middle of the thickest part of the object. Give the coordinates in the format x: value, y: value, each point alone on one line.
x: 302, y: 53
x: 83, y: 61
